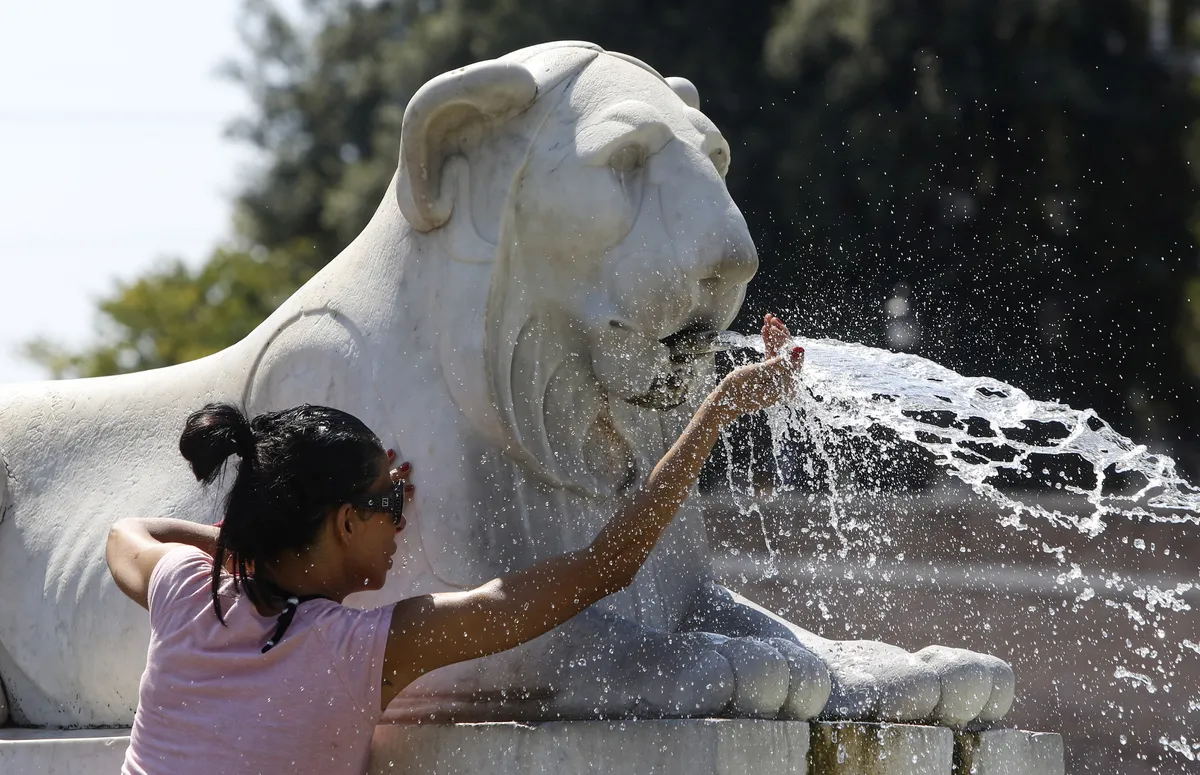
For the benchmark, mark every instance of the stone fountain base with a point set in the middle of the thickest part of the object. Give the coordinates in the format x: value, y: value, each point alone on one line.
x: 62, y: 751
x: 677, y: 747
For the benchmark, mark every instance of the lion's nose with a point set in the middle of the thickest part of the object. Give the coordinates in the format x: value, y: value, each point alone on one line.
x: 739, y: 262
x: 733, y: 265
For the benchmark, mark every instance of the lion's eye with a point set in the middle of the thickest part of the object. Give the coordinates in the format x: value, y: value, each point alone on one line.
x: 720, y: 160
x: 627, y: 159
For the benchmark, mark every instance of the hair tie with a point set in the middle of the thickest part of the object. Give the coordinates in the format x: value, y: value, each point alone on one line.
x: 243, y: 439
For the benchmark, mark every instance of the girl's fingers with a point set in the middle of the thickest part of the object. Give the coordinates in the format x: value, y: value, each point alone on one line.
x: 401, y: 471
x: 775, y: 335
x: 772, y: 340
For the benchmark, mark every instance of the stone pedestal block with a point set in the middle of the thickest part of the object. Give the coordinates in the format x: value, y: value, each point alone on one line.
x: 880, y: 749
x: 680, y: 747
x: 1008, y: 752
x: 677, y: 747
x: 62, y: 751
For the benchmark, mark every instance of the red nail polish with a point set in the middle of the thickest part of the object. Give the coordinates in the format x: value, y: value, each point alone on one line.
x: 404, y: 467
x: 408, y: 488
x: 797, y: 352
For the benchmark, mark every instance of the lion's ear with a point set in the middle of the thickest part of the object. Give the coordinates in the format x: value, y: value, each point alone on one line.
x: 685, y: 90
x: 483, y: 91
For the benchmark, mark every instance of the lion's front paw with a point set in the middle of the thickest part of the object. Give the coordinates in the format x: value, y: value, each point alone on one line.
x: 761, y: 675
x: 974, y: 686
x: 876, y: 682
x: 680, y: 677
x: 809, y: 681
x: 699, y: 674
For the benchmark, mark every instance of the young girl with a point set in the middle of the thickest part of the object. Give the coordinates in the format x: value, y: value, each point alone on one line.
x: 262, y: 669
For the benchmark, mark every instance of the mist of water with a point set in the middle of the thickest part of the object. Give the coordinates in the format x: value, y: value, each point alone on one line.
x: 997, y: 440
x: 978, y: 429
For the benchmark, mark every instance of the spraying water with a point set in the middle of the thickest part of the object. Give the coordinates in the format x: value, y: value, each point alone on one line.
x: 989, y: 434
x: 978, y: 428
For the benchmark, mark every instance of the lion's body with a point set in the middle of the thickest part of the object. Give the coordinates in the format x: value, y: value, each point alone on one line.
x: 556, y: 215
x: 78, y: 456
x: 81, y: 454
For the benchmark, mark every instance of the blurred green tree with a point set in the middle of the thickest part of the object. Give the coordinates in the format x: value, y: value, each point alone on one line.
x: 1004, y: 187
x: 1012, y: 175
x: 175, y: 314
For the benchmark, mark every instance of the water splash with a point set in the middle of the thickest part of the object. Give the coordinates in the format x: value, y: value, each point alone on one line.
x: 978, y: 429
x: 994, y: 438
x: 1190, y: 751
x: 1137, y: 678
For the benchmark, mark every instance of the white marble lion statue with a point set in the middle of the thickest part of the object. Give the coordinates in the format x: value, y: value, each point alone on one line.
x: 520, y: 320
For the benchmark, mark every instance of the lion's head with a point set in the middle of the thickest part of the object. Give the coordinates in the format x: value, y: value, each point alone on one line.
x: 581, y: 196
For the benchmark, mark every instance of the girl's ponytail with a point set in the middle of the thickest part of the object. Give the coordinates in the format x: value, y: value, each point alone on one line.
x: 211, y: 435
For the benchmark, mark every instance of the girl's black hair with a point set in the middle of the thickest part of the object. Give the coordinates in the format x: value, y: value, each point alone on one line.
x: 295, y: 466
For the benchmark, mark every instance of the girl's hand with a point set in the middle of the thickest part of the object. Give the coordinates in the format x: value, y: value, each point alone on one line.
x: 756, y: 386
x: 400, y: 473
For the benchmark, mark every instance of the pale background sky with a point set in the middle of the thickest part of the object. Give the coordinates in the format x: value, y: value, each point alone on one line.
x: 111, y: 153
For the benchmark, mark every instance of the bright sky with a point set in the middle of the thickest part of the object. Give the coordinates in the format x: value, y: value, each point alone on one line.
x: 111, y: 121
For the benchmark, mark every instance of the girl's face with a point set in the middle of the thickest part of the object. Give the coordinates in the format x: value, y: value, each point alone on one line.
x: 375, y: 536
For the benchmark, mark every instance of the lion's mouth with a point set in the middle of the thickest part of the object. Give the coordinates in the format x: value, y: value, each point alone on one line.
x: 685, y: 347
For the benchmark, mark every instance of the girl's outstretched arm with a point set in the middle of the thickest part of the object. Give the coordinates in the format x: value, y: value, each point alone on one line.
x: 431, y: 631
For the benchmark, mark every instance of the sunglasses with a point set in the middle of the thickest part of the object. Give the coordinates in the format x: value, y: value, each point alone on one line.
x: 391, y: 501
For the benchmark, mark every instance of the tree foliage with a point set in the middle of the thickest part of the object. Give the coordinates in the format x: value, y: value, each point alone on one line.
x: 1004, y: 187
x: 1019, y: 166
x: 175, y: 314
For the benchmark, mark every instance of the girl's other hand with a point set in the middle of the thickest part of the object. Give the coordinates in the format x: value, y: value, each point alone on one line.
x: 400, y: 473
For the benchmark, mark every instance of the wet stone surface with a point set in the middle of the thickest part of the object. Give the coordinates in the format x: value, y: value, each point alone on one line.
x: 62, y: 751
x: 634, y: 747
x: 880, y: 749
x: 1008, y: 752
x: 669, y: 747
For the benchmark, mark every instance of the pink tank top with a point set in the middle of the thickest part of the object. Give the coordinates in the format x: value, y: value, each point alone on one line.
x: 212, y: 702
